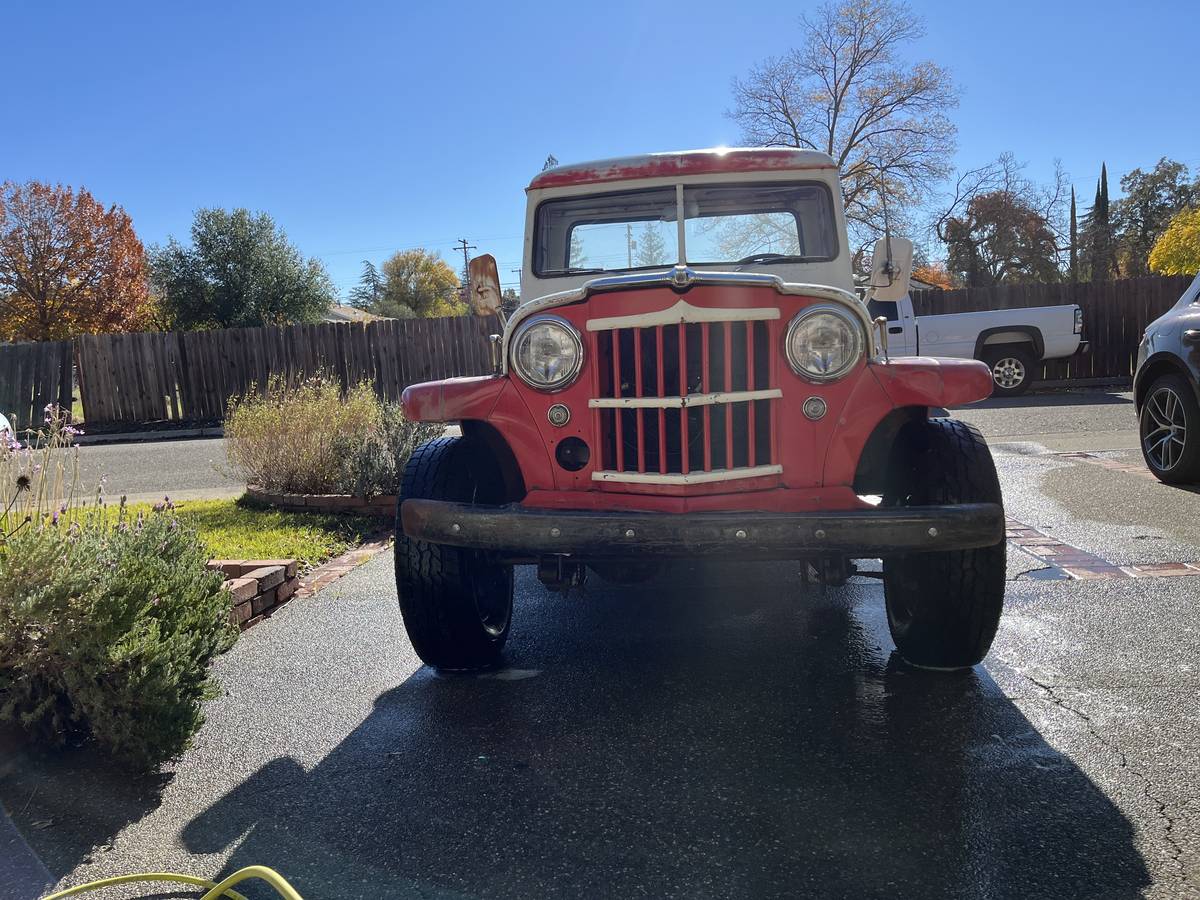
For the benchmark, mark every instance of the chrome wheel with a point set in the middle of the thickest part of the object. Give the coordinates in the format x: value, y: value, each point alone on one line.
x: 1008, y: 372
x: 1164, y: 429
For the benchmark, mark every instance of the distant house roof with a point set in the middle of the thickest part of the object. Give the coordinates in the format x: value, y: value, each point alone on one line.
x: 715, y: 160
x: 341, y: 313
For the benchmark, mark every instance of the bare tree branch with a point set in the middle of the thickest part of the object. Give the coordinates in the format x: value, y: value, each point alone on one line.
x: 846, y: 91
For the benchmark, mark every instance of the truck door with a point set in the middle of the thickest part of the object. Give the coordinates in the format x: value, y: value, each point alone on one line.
x: 901, y: 328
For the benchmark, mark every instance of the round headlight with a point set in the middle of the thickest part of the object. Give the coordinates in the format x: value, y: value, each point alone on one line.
x: 823, y: 343
x: 547, y: 353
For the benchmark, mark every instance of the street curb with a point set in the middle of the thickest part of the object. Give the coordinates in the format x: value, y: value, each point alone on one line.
x: 133, y: 437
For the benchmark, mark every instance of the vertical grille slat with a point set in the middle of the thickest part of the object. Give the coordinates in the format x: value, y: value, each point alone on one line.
x: 682, y: 360
x: 751, y: 457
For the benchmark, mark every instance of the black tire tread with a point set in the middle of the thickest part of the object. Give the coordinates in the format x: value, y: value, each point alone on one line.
x: 961, y: 592
x: 433, y: 580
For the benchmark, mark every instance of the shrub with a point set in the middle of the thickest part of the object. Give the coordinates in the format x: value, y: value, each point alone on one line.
x: 313, y: 438
x: 107, y: 630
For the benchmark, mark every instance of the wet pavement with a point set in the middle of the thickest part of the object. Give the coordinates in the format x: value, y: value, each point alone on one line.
x: 715, y: 733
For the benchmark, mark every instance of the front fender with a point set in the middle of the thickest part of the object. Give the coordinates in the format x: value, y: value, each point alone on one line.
x: 924, y: 381
x: 492, y: 399
x: 452, y: 399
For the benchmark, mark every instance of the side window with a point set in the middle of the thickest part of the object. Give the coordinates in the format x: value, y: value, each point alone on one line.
x: 885, y: 308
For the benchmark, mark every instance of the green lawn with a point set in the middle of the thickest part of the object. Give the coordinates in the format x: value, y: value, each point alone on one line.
x: 233, y: 529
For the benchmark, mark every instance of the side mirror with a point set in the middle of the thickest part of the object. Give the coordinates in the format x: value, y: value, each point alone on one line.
x: 890, y: 278
x: 485, y: 285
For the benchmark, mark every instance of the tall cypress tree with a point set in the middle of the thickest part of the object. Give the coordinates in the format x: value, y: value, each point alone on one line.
x: 1074, y: 270
x: 1101, y: 231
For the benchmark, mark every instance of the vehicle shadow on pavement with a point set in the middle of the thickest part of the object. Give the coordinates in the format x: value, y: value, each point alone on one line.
x: 708, y: 735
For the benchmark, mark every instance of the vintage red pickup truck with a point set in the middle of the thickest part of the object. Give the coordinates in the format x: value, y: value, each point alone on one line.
x: 692, y: 375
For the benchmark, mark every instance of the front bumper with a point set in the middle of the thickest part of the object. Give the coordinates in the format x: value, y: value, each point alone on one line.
x: 521, y: 533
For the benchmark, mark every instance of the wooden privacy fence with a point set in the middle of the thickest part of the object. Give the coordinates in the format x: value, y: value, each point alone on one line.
x: 190, y: 376
x: 1115, y: 313
x: 32, y: 376
x: 129, y: 379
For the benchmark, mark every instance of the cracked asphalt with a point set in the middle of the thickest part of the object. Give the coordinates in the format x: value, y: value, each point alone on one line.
x: 718, y: 732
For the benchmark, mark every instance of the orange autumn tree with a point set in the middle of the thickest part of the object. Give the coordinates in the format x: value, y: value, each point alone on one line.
x: 68, y: 266
x: 934, y: 274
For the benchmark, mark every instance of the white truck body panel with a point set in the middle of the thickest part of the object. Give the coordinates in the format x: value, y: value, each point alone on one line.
x: 1051, y: 329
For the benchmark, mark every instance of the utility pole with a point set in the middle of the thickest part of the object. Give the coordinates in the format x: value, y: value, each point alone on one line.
x: 466, y: 275
x: 628, y: 245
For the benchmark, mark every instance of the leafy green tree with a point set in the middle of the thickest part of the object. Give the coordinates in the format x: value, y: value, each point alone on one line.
x: 419, y: 283
x: 370, y: 288
x: 1098, y: 234
x: 239, y: 271
x: 651, y: 248
x: 1073, y: 270
x: 1151, y: 200
x: 1177, y: 251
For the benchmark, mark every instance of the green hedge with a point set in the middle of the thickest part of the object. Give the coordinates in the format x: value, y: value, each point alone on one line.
x: 107, y: 631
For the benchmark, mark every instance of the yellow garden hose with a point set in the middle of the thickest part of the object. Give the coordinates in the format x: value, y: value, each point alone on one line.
x: 215, y: 890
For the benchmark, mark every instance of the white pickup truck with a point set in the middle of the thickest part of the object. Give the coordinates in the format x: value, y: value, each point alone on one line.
x: 1012, y: 341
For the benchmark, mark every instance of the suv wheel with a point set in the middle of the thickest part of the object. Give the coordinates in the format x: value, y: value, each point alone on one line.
x: 1169, y: 428
x: 943, y: 608
x: 1012, y: 369
x: 456, y: 603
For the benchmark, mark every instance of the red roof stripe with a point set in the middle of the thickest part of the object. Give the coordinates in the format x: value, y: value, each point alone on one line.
x: 689, y: 162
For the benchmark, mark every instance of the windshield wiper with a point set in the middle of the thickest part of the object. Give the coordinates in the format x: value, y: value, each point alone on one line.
x: 572, y: 271
x: 770, y: 258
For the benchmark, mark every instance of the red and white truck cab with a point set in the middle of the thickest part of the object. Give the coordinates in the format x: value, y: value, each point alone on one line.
x: 692, y: 374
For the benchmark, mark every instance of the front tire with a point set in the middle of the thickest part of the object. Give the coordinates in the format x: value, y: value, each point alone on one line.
x: 1169, y: 430
x: 456, y: 603
x: 1012, y: 370
x: 943, y: 609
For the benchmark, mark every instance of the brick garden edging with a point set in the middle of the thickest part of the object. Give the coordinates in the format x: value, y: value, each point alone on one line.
x: 383, y: 505
x: 261, y: 586
x: 258, y: 586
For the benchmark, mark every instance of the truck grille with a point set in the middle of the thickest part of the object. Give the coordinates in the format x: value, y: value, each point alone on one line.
x: 686, y: 402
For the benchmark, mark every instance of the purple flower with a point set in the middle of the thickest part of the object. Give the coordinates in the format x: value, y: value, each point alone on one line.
x: 54, y: 518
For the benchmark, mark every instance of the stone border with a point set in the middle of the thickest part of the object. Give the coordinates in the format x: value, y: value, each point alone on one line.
x: 1083, y: 566
x: 329, y: 572
x: 261, y: 586
x: 381, y: 506
x: 258, y: 586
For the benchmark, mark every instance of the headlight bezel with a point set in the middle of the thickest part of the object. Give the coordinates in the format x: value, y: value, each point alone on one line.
x: 856, y: 329
x: 523, y: 330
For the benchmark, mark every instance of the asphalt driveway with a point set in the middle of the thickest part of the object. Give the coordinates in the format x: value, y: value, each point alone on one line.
x: 718, y: 732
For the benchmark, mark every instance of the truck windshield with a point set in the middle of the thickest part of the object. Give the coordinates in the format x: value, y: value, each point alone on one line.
x: 723, y: 224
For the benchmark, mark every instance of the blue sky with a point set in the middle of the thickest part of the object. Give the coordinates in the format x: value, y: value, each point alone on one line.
x: 369, y: 127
